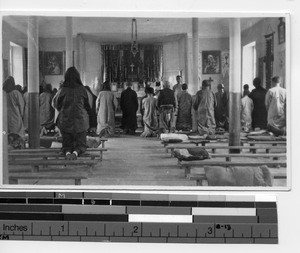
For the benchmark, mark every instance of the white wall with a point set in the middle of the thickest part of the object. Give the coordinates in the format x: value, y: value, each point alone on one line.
x: 93, y: 65
x: 17, y: 64
x: 256, y: 33
x: 171, y: 66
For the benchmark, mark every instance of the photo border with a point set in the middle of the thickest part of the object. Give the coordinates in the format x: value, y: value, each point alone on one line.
x: 175, y: 15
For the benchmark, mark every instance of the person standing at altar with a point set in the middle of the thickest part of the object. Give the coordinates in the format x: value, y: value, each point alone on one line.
x: 129, y: 106
x: 178, y: 86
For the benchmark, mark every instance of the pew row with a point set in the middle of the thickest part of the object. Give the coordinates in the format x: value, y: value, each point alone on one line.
x: 213, y: 148
x: 201, y: 179
x: 187, y: 165
x: 76, y: 176
x: 45, y: 153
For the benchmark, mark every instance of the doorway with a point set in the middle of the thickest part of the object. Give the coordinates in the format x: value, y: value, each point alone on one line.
x: 16, y: 63
x: 249, y: 64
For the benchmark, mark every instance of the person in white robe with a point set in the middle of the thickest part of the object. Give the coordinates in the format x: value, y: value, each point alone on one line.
x: 106, y: 105
x: 275, y: 102
x: 15, y: 108
x: 46, y: 110
x: 150, y: 109
x: 246, y: 110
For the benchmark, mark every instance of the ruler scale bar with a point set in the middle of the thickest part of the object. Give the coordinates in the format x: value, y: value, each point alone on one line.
x: 132, y: 217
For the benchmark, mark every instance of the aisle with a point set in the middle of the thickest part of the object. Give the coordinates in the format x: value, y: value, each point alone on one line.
x: 133, y: 160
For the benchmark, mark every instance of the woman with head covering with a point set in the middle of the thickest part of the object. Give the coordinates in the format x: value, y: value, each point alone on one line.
x: 259, y: 113
x: 149, y: 106
x: 46, y: 110
x: 73, y: 105
x: 15, y: 108
x: 106, y: 105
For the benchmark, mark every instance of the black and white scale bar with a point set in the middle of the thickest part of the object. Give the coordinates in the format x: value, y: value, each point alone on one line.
x: 139, y: 232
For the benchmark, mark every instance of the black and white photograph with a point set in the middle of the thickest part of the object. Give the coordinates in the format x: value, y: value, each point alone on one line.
x: 123, y: 102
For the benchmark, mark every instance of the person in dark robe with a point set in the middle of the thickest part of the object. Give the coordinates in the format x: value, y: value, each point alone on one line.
x: 15, y: 108
x: 46, y: 110
x: 73, y: 104
x: 106, y: 106
x: 184, y: 116
x: 259, y: 113
x: 167, y: 106
x: 205, y: 104
x: 221, y: 110
x: 93, y: 115
x: 129, y: 106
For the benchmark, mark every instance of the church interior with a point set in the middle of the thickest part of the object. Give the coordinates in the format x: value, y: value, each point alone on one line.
x: 147, y: 52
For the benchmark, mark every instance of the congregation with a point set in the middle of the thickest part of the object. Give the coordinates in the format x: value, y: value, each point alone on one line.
x: 74, y: 111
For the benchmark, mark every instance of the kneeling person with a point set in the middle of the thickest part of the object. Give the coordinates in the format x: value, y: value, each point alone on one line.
x: 74, y: 108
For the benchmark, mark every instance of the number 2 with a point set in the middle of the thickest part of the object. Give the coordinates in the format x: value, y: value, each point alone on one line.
x: 135, y: 229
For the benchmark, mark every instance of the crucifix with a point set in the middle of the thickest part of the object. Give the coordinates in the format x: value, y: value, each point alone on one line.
x: 131, y: 66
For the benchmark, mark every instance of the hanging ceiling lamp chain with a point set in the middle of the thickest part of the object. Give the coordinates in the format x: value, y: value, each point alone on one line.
x: 134, y: 45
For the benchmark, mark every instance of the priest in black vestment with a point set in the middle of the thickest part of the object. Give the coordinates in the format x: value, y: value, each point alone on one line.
x: 129, y: 107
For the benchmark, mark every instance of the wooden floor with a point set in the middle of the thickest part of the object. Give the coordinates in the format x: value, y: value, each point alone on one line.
x: 133, y: 160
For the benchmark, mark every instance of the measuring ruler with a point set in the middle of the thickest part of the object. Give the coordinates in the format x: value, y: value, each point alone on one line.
x: 131, y: 217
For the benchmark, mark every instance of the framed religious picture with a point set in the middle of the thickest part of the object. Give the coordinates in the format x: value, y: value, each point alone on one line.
x: 281, y: 31
x: 53, y: 63
x: 211, y: 62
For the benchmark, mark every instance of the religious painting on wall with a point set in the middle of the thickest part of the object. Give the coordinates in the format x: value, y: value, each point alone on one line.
x: 53, y: 63
x: 211, y: 62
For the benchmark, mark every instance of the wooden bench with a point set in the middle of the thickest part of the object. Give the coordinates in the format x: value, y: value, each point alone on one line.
x: 200, y: 178
x: 54, y: 152
x: 14, y: 177
x: 253, y: 143
x: 213, y: 148
x: 46, y: 138
x: 36, y: 163
x: 228, y: 157
x: 168, y: 145
x: 186, y: 165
